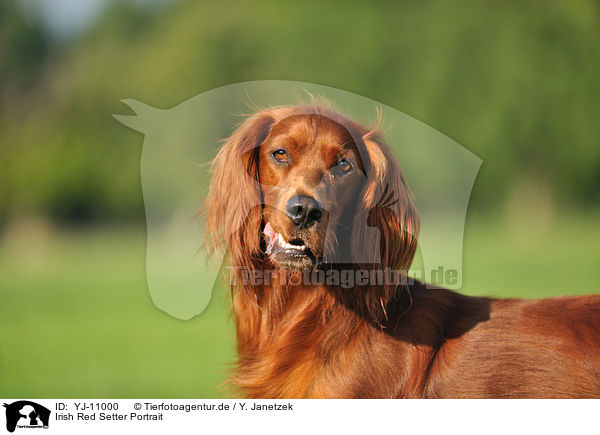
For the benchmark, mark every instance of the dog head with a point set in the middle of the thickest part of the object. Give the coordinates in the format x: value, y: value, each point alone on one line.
x: 303, y: 185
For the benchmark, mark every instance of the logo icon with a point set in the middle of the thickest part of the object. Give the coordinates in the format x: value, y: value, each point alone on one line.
x: 179, y: 142
x: 26, y: 414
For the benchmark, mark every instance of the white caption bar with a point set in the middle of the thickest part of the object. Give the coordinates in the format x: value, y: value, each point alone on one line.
x: 159, y: 416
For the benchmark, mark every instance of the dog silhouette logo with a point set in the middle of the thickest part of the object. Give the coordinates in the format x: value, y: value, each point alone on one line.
x: 26, y: 414
x: 180, y: 142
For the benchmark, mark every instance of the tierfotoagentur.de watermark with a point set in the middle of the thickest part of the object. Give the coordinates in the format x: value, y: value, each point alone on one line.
x: 339, y: 277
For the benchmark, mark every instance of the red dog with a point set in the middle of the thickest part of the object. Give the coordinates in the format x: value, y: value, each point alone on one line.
x: 292, y: 190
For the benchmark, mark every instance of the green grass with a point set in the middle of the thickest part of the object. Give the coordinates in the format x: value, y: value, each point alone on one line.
x: 76, y: 318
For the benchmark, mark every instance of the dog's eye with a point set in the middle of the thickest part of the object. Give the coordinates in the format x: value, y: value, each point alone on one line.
x: 280, y: 155
x: 344, y: 165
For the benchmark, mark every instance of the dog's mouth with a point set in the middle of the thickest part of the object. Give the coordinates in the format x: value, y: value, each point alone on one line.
x: 292, y: 253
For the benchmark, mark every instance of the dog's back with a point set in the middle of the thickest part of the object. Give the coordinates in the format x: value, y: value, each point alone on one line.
x: 480, y: 347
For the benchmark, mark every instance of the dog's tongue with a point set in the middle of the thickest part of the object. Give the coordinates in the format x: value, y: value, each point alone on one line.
x: 271, y: 235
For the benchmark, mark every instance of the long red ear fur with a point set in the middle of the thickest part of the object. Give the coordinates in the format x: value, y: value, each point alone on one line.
x: 387, y: 205
x: 233, y: 206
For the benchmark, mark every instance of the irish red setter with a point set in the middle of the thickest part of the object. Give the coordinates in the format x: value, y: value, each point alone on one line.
x: 304, y: 189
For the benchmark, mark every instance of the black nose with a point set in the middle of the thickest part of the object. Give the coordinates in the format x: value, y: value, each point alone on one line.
x: 304, y: 211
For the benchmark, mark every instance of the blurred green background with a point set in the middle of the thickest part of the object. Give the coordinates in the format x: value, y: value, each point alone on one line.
x: 515, y: 82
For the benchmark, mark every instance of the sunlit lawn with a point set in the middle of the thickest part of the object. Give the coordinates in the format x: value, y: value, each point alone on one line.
x: 76, y: 319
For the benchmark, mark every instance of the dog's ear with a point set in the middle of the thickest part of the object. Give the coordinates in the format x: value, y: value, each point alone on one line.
x: 387, y: 226
x: 233, y: 206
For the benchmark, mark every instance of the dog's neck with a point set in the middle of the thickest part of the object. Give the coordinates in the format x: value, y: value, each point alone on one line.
x: 298, y: 341
x: 288, y: 332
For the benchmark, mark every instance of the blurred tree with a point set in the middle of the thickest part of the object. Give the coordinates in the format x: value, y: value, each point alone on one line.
x: 23, y: 49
